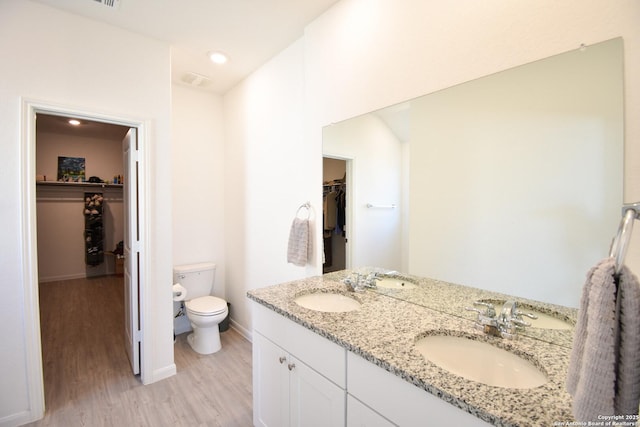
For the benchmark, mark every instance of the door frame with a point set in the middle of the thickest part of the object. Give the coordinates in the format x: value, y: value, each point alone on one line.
x: 27, y: 162
x: 350, y: 234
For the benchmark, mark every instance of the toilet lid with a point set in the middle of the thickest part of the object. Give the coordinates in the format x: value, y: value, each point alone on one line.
x: 206, y: 306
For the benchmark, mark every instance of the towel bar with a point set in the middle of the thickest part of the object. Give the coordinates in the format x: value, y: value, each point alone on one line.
x: 372, y: 206
x: 621, y: 240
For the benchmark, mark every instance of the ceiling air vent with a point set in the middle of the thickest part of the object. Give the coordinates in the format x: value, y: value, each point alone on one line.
x: 114, y: 4
x: 195, y: 79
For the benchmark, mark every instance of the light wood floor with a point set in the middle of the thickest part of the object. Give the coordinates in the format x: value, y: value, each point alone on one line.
x: 88, y: 381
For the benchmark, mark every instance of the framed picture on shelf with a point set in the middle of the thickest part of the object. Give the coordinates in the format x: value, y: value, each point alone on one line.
x: 71, y: 169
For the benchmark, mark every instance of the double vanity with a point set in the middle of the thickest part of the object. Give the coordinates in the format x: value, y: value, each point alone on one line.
x: 404, y: 350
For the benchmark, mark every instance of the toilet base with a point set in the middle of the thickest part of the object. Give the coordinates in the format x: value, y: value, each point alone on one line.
x: 205, y: 340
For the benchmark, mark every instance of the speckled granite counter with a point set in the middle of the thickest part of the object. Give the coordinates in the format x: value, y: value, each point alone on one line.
x: 384, y: 330
x: 452, y: 299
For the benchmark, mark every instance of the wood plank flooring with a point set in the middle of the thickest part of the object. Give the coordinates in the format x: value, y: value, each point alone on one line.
x: 88, y: 381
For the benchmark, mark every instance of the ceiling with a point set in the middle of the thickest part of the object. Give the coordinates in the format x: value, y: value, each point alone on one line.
x: 249, y: 32
x: 86, y: 129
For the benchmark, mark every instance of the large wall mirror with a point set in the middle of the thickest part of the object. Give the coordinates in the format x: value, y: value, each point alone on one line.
x: 511, y: 183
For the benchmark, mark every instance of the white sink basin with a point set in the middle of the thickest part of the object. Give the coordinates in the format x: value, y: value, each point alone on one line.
x: 545, y: 321
x: 328, y: 302
x: 481, y: 362
x: 392, y: 283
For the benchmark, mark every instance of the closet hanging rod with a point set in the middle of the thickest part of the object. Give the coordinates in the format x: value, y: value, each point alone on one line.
x: 630, y: 212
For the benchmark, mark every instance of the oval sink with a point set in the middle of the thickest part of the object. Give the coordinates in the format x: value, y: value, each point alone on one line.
x: 393, y: 283
x: 327, y: 302
x: 546, y: 321
x: 479, y: 361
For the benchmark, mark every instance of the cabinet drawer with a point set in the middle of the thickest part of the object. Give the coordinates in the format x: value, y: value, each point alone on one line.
x: 326, y: 357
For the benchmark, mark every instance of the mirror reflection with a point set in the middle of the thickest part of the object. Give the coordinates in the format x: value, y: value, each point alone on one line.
x: 511, y: 183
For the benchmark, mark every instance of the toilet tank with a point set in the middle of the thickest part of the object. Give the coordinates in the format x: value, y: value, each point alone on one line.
x: 196, y: 278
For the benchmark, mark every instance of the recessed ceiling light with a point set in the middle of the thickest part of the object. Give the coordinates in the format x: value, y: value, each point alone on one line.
x: 218, y: 57
x: 74, y: 122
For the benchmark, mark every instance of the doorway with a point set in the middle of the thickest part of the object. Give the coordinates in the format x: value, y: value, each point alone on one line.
x: 31, y: 111
x: 335, y: 216
x: 80, y: 225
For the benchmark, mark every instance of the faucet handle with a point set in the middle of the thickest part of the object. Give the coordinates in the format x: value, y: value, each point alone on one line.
x: 477, y: 310
x: 529, y: 315
x: 483, y: 304
x: 372, y: 277
x: 519, y: 322
x: 490, y: 309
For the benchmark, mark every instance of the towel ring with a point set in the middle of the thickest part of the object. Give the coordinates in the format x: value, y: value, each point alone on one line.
x: 306, y: 206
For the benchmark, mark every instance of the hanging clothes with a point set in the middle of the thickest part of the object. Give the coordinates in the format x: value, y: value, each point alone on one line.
x: 330, y: 211
x: 341, y: 205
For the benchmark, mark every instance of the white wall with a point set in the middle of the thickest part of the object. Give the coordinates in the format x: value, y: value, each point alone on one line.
x: 103, y: 156
x: 198, y: 180
x: 270, y: 170
x: 57, y: 58
x: 61, y: 224
x: 363, y: 55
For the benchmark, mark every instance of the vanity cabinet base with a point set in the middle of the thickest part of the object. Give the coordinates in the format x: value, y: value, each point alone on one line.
x: 398, y: 402
x: 298, y: 376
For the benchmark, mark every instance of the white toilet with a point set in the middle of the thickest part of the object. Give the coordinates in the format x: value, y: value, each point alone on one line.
x: 204, y: 311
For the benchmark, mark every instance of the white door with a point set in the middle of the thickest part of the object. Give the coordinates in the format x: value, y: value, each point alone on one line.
x: 270, y: 384
x: 131, y: 251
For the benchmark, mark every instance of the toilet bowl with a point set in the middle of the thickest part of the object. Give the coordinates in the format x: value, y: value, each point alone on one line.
x: 205, y: 314
x: 204, y: 311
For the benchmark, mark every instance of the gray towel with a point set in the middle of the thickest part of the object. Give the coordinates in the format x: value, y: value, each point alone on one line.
x: 299, y: 243
x: 604, y: 369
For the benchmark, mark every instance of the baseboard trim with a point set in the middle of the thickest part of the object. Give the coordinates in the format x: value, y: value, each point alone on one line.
x: 241, y: 330
x: 18, y: 419
x: 63, y: 277
x: 163, y: 373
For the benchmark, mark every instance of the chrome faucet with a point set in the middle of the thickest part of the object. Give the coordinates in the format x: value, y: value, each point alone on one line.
x: 505, y: 324
x: 358, y: 282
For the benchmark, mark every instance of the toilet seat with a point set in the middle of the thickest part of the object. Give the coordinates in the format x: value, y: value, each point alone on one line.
x: 206, y: 306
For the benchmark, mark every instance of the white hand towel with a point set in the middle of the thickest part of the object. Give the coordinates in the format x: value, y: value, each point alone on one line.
x: 603, y: 374
x: 299, y: 243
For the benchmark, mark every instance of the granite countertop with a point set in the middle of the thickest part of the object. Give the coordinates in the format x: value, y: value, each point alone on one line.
x: 452, y: 299
x: 384, y: 330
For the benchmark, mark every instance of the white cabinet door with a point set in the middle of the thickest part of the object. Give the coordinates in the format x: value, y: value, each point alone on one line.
x: 315, y: 401
x: 360, y: 415
x: 287, y: 392
x: 271, y: 384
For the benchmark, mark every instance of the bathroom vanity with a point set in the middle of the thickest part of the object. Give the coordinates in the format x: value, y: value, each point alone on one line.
x: 361, y: 364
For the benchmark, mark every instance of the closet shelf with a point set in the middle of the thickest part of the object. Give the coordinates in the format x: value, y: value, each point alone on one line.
x: 77, y: 184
